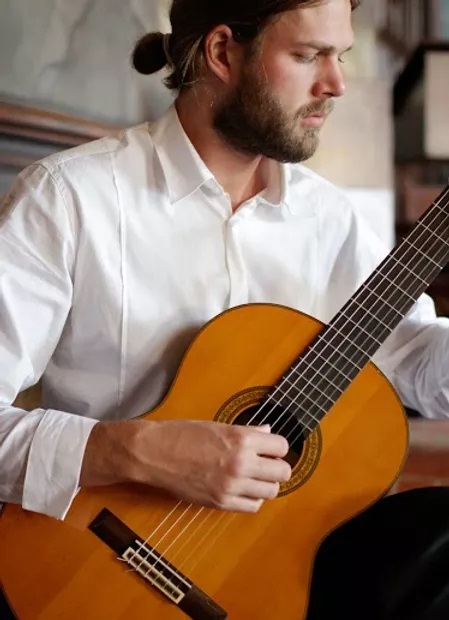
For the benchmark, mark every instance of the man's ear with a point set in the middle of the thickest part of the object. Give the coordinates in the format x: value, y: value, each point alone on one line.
x: 223, y: 55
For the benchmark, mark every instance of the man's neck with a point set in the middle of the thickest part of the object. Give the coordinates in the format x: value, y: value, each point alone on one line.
x: 239, y: 175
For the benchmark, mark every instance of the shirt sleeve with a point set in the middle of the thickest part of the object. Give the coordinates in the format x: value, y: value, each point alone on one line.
x: 415, y: 357
x: 41, y: 451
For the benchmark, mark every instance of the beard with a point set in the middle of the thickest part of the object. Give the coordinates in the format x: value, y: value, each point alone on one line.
x: 252, y: 120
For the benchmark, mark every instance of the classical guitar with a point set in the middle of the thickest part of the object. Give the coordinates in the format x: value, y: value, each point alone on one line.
x: 129, y: 552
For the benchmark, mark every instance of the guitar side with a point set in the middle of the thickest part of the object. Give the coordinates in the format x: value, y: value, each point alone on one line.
x: 258, y: 565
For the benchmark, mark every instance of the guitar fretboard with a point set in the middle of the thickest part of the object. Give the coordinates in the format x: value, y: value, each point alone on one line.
x: 323, y: 372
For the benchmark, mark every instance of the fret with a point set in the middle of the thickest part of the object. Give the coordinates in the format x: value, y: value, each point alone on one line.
x: 285, y: 391
x: 323, y: 376
x: 433, y: 233
x: 298, y: 411
x: 326, y: 345
x: 378, y: 280
x: 361, y: 330
x: 311, y: 373
x: 303, y: 381
x: 339, y: 336
x: 320, y: 369
x: 303, y: 406
x: 407, y: 242
x: 300, y: 393
x: 301, y: 425
x: 436, y: 207
x: 382, y: 301
x: 327, y: 362
x: 393, y: 282
x: 409, y: 271
x: 430, y: 234
x: 362, y: 314
x: 413, y: 265
x: 299, y: 421
x: 425, y: 265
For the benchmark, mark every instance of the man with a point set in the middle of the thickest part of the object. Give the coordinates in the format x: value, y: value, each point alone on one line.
x: 114, y: 254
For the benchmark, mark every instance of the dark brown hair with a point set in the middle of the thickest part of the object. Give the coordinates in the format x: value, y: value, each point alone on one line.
x: 192, y: 20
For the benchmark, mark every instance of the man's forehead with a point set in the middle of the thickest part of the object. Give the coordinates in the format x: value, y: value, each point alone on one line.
x: 316, y: 28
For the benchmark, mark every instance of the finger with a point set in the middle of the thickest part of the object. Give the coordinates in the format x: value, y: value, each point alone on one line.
x: 267, y: 444
x: 241, y: 504
x: 269, y: 470
x: 257, y: 489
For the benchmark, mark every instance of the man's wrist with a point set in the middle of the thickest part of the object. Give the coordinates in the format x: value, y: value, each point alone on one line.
x: 108, y: 455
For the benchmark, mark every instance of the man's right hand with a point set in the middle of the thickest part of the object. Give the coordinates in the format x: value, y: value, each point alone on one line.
x: 225, y: 467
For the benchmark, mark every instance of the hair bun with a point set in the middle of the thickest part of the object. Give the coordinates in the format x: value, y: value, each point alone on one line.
x: 149, y: 54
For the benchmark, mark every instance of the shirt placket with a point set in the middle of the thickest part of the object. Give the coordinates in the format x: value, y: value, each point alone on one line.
x: 237, y: 269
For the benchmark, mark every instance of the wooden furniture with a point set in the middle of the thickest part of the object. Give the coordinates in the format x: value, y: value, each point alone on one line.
x: 422, y: 144
x: 409, y: 22
x: 428, y: 459
x: 29, y: 134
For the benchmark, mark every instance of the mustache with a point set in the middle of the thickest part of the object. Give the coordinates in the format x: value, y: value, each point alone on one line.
x: 319, y: 107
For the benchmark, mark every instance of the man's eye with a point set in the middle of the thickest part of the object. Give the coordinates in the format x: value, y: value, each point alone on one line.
x: 306, y: 59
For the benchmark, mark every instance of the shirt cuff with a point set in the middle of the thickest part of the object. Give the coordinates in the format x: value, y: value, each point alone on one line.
x: 54, y: 463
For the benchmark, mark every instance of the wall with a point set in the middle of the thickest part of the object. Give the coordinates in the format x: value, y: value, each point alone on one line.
x: 435, y: 105
x: 357, y: 147
x: 443, y: 30
x: 74, y: 56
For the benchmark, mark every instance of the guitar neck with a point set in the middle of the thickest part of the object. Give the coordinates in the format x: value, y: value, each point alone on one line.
x: 333, y: 360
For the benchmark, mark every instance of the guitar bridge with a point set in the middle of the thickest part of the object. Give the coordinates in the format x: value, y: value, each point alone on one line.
x: 154, y: 568
x: 156, y: 572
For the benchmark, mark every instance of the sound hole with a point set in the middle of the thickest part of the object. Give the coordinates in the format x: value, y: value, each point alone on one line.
x: 282, y: 423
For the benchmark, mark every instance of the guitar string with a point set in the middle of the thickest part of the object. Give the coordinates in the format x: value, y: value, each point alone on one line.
x: 340, y: 371
x: 335, y: 387
x: 392, y: 282
x: 338, y: 390
x: 330, y: 395
x: 376, y: 287
x: 187, y: 509
x: 443, y: 248
x: 195, y: 517
x: 225, y: 520
x: 388, y: 327
x: 199, y: 526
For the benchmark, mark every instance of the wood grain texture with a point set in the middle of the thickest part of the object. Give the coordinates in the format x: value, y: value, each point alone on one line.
x: 30, y: 134
x: 258, y: 566
x: 49, y: 126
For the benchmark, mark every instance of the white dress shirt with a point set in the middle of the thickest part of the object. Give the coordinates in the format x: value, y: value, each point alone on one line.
x: 114, y: 254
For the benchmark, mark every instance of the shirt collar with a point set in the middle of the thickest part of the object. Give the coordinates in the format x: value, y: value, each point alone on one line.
x: 183, y: 168
x: 185, y: 171
x: 276, y: 183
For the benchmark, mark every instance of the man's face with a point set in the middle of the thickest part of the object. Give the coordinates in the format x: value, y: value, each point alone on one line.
x: 287, y: 89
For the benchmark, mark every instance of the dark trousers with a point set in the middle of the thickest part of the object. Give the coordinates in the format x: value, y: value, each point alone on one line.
x: 390, y: 563
x: 5, y: 613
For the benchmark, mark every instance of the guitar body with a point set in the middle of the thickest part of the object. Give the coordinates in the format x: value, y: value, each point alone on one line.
x: 252, y: 566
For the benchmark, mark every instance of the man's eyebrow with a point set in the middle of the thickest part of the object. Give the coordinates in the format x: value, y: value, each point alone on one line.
x: 322, y: 47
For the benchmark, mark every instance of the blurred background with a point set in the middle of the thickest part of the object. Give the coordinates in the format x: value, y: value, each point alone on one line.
x: 65, y: 78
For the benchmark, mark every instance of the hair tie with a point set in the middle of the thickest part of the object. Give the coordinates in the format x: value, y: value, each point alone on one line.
x: 166, y: 44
